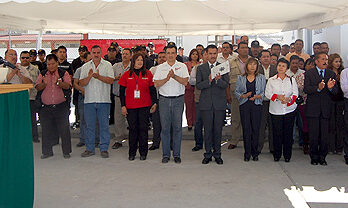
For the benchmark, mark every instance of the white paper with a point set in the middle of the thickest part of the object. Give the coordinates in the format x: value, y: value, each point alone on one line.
x: 3, y: 74
x: 221, y: 69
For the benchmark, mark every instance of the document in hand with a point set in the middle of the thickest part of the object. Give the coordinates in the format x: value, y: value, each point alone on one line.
x: 221, y: 69
x: 3, y: 74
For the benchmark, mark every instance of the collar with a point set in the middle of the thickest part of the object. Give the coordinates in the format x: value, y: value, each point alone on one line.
x: 286, y: 76
x: 169, y: 65
x: 269, y: 66
x: 320, y: 69
x: 212, y: 64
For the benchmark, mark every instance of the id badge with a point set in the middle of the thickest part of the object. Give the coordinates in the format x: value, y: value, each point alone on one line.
x: 136, y: 94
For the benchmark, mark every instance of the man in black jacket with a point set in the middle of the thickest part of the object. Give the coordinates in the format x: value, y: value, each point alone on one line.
x: 319, y: 85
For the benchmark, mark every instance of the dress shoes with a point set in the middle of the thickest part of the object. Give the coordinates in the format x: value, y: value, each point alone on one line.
x: 219, y: 161
x: 346, y: 158
x: 314, y: 162
x: 66, y: 156
x: 287, y: 160
x: 276, y: 159
x: 87, y: 153
x: 195, y: 149
x: 117, y: 145
x: 153, y: 147
x: 177, y: 159
x: 323, y: 162
x: 44, y: 156
x: 206, y: 161
x: 131, y: 158
x: 142, y: 157
x: 256, y: 158
x: 246, y: 159
x: 80, y: 144
x: 165, y: 160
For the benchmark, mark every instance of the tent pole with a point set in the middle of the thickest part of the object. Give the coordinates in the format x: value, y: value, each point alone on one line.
x: 39, y: 40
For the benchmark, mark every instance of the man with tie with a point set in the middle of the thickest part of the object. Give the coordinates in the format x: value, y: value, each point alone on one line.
x: 212, y: 104
x: 319, y: 85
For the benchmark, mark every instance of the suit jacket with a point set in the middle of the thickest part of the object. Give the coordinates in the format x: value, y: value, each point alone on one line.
x: 318, y: 102
x: 272, y: 70
x: 213, y: 95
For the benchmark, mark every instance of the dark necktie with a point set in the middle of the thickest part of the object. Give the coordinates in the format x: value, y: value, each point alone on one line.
x: 211, y: 66
x: 321, y: 73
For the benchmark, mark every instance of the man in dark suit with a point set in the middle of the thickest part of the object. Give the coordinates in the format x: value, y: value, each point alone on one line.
x: 269, y: 71
x: 212, y: 103
x: 319, y: 85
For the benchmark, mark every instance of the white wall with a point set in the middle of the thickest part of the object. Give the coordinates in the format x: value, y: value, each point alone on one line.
x: 190, y: 42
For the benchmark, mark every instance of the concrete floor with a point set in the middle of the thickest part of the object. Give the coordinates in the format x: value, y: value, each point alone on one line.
x: 118, y: 183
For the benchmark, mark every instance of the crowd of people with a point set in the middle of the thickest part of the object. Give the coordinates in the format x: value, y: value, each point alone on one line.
x: 275, y: 93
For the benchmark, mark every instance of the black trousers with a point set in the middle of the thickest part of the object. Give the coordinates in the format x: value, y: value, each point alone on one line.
x: 318, y: 131
x: 156, y: 122
x: 55, y: 122
x: 346, y: 128
x: 250, y: 116
x: 138, y: 121
x: 283, y: 126
x: 33, y: 111
x: 213, y: 121
x: 336, y: 127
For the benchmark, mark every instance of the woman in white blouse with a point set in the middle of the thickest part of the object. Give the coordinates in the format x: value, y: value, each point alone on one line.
x: 282, y: 91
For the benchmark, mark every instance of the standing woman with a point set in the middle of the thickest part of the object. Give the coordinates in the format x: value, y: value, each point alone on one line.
x: 282, y: 91
x: 189, y: 91
x: 336, y: 123
x: 309, y: 64
x: 137, y: 95
x: 250, y: 91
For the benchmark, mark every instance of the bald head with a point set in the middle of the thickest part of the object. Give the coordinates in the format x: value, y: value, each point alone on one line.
x: 11, y: 56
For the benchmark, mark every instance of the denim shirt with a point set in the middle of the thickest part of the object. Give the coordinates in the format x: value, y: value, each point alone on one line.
x: 241, y: 88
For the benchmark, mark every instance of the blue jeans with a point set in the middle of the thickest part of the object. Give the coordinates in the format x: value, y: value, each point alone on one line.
x: 171, y: 110
x: 83, y: 126
x: 100, y: 111
x: 198, y: 128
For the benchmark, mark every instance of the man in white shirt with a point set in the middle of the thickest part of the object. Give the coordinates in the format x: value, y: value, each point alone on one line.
x: 170, y: 79
x: 226, y: 53
x: 96, y: 77
x: 19, y: 75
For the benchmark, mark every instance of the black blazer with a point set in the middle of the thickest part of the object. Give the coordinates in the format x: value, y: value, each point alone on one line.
x: 318, y: 103
x: 272, y: 70
x: 213, y: 95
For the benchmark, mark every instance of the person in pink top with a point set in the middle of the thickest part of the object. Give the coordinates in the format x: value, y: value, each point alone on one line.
x: 54, y: 114
x: 189, y: 90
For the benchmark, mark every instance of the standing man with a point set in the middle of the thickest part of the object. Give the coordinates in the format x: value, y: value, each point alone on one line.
x: 111, y: 55
x: 225, y: 54
x: 255, y: 47
x: 63, y: 62
x: 181, y: 54
x: 42, y: 58
x: 96, y: 77
x: 324, y: 47
x: 34, y: 74
x: 152, y: 55
x: 212, y: 104
x: 156, y: 119
x: 54, y: 114
x: 33, y: 61
x: 316, y: 49
x: 285, y: 50
x: 275, y: 49
x: 120, y: 124
x: 344, y: 86
x: 18, y: 75
x: 298, y: 47
x: 171, y: 78
x: 269, y: 71
x: 237, y: 67
x: 319, y: 85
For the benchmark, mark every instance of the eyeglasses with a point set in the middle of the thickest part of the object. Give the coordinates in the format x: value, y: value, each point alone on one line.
x: 24, y: 57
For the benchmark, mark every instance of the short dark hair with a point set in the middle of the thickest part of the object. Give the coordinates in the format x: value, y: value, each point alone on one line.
x: 292, y: 44
x: 299, y: 40
x: 226, y: 43
x: 324, y: 43
x: 52, y: 56
x: 286, y: 45
x: 316, y: 44
x: 62, y: 47
x: 85, y: 55
x: 242, y: 43
x: 316, y: 57
x: 172, y: 46
x: 204, y: 51
x: 95, y: 46
x: 275, y: 45
x: 127, y: 49
x: 162, y: 52
x: 274, y: 55
x: 54, y: 51
x: 301, y: 59
x: 199, y: 45
x: 283, y: 60
x: 294, y: 57
x: 309, y: 61
x: 211, y: 46
x: 263, y: 51
x: 24, y: 52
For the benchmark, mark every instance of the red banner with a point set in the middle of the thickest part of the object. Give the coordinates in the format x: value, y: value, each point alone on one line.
x: 124, y: 43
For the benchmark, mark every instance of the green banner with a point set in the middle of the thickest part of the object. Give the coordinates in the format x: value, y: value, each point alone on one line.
x: 16, y: 151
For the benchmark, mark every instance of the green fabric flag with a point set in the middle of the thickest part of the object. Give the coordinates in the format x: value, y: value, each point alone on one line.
x: 16, y: 151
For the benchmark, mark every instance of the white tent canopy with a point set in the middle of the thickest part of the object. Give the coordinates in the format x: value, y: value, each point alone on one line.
x: 172, y: 17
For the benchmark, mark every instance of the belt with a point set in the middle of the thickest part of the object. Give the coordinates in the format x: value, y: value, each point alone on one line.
x: 54, y: 105
x: 171, y: 97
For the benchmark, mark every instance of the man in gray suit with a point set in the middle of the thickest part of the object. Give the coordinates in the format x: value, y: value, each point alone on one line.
x: 212, y: 104
x: 269, y: 71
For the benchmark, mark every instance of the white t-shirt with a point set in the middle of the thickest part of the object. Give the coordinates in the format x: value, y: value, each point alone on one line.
x: 172, y: 87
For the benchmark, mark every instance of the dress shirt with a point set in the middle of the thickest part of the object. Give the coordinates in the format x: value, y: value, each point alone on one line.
x: 344, y: 82
x: 276, y: 86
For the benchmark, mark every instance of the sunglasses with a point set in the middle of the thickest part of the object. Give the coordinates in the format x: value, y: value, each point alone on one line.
x: 24, y: 57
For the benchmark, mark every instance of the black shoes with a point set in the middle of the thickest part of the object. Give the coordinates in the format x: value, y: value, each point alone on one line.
x: 189, y: 128
x: 154, y: 147
x: 142, y: 157
x: 80, y: 144
x: 246, y: 159
x: 177, y: 159
x: 117, y: 145
x: 287, y: 160
x: 219, y: 161
x: 36, y: 140
x: 346, y: 158
x: 66, y: 156
x: 276, y: 159
x: 256, y: 158
x: 46, y: 156
x: 206, y: 161
x: 87, y: 153
x: 314, y: 162
x: 195, y: 149
x: 131, y: 158
x: 165, y: 160
x: 104, y: 154
x: 323, y: 162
